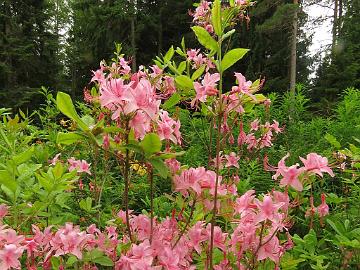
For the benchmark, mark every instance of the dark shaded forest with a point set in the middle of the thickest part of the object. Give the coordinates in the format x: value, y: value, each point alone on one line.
x: 55, y: 44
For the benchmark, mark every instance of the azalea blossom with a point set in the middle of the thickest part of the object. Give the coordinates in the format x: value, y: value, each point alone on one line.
x: 232, y: 160
x: 323, y: 208
x: 316, y: 164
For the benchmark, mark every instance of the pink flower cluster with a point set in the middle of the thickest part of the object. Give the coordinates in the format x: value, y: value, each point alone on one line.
x: 313, y: 164
x: 137, y: 97
x: 79, y: 165
x: 197, y: 59
x: 202, y: 16
x: 42, y: 245
x: 266, y: 132
x: 199, y: 180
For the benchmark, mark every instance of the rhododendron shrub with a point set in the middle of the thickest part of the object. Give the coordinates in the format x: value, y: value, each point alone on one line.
x: 213, y: 225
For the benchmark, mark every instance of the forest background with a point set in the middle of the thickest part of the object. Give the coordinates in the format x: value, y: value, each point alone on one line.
x: 56, y: 44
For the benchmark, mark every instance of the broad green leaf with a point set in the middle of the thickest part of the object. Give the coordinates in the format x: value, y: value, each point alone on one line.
x: 103, y: 260
x: 69, y: 138
x: 55, y: 262
x: 160, y: 167
x: 184, y: 82
x: 204, y: 38
x: 58, y: 170
x: 7, y: 180
x: 216, y: 17
x: 332, y: 140
x: 169, y: 54
x: 198, y: 73
x: 151, y: 143
x: 86, y: 204
x: 231, y: 57
x: 88, y: 120
x: 25, y: 156
x: 260, y: 98
x: 310, y: 241
x: 172, y: 101
x: 335, y: 227
x: 182, y: 67
x: 232, y: 3
x: 66, y: 106
x: 72, y: 259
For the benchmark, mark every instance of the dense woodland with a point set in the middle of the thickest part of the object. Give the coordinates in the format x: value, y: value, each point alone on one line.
x: 210, y: 137
x: 56, y: 44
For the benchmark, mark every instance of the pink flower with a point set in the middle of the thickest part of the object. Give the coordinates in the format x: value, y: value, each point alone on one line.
x: 251, y: 141
x: 207, y: 87
x: 317, y: 164
x: 168, y: 128
x: 173, y: 165
x: 267, y: 209
x: 255, y: 125
x: 196, y: 236
x: 55, y: 159
x: 79, y: 165
x: 323, y: 208
x: 113, y: 93
x: 141, y: 124
x: 290, y: 174
x: 3, y: 210
x: 291, y: 178
x: 270, y: 250
x: 143, y: 98
x: 276, y: 128
x: 191, y: 54
x: 245, y: 203
x: 9, y: 257
x: 219, y: 237
x: 232, y: 160
x: 243, y: 86
x: 242, y: 136
x: 69, y: 240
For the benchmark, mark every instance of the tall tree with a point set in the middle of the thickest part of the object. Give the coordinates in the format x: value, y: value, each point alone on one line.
x: 269, y: 34
x: 340, y: 68
x: 28, y: 49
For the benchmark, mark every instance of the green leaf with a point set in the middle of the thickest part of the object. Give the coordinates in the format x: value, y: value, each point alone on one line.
x: 169, y: 54
x: 72, y: 259
x: 25, y: 156
x: 198, y: 73
x: 69, y: 138
x: 231, y: 57
x: 160, y: 167
x: 182, y: 67
x: 66, y: 106
x: 103, y: 260
x: 7, y: 180
x: 204, y: 38
x: 332, y: 140
x: 58, y: 170
x: 171, y: 155
x: 86, y: 204
x: 184, y: 82
x: 310, y: 241
x: 172, y: 101
x: 260, y: 98
x: 55, y: 262
x: 228, y: 34
x: 216, y: 17
x: 151, y: 143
